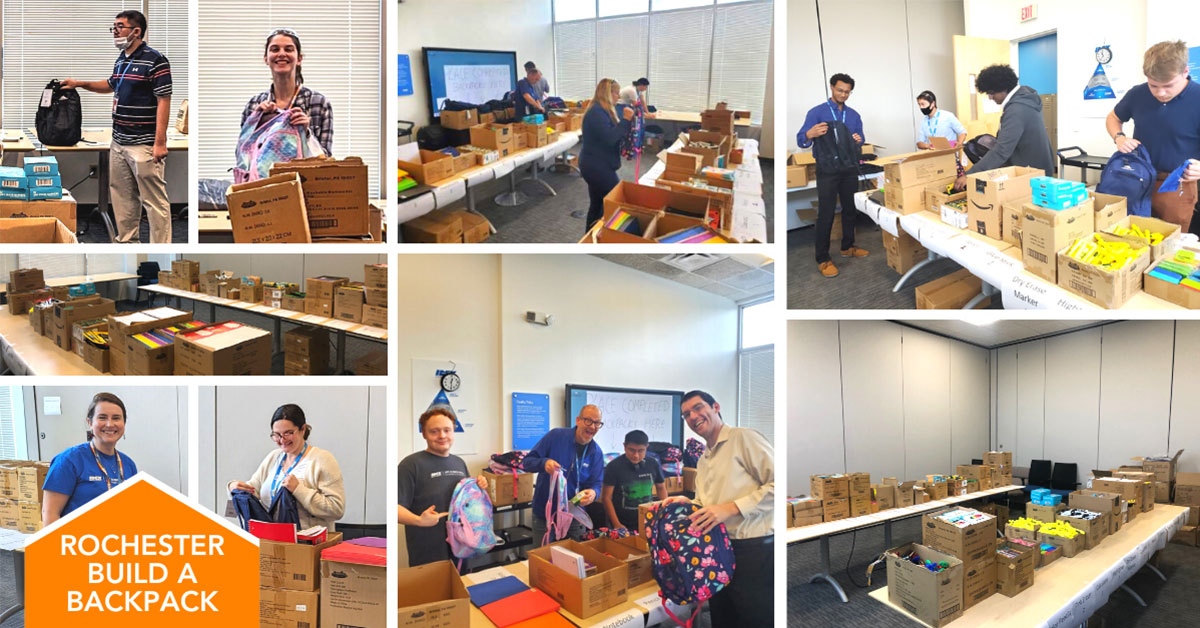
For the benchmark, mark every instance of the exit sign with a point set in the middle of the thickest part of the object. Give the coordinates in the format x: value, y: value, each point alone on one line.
x: 1029, y: 13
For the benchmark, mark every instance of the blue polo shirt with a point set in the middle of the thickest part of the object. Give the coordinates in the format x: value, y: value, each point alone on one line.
x: 828, y: 112
x: 138, y: 80
x: 525, y: 87
x: 1171, y: 130
x: 74, y: 473
x: 943, y: 124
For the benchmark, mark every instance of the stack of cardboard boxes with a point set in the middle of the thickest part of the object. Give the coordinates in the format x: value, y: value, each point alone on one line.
x: 834, y: 493
x: 25, y: 286
x: 21, y: 494
x: 1187, y: 493
x: 447, y: 227
x: 970, y: 536
x: 1001, y: 467
x: 354, y: 583
x: 1163, y: 468
x: 804, y: 511
x: 226, y: 348
x: 35, y: 191
x: 290, y: 582
x: 860, y: 493
x: 306, y: 351
x: 184, y: 275
x: 375, y: 288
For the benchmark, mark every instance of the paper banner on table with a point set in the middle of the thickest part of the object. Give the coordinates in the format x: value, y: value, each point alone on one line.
x: 631, y: 618
x: 443, y: 196
x: 1027, y: 292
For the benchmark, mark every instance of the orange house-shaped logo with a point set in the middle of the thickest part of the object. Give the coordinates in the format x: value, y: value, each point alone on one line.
x: 142, y: 555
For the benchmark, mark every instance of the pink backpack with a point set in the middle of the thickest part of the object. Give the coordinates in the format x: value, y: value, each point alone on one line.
x: 560, y: 511
x: 259, y: 147
x: 469, y: 529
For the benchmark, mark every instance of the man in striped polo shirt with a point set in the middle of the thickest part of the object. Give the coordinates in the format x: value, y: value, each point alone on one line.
x: 141, y: 89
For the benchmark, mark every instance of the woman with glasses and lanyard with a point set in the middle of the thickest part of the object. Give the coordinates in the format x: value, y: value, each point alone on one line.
x: 86, y: 471
x: 309, y: 473
x: 571, y: 452
x: 306, y: 108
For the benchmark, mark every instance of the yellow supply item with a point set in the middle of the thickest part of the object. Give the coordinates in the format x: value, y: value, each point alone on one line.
x: 1061, y: 529
x: 1110, y: 255
x: 1024, y: 523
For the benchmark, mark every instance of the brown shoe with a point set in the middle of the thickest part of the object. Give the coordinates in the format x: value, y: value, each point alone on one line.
x: 828, y: 269
x: 854, y: 251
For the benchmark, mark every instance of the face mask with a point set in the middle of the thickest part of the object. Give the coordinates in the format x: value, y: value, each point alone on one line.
x: 927, y: 110
x: 121, y: 42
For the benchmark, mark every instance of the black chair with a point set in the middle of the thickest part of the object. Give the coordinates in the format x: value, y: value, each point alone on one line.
x: 1039, y: 475
x: 147, y: 274
x: 1064, y: 479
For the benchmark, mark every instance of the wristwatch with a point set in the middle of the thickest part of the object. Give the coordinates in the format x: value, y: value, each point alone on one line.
x: 1119, y: 134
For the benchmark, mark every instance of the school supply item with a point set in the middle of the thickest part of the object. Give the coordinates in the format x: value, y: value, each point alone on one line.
x: 485, y: 593
x: 523, y: 606
x: 624, y: 222
x: 1108, y: 254
x: 689, y: 567
x: 469, y: 529
x: 694, y: 235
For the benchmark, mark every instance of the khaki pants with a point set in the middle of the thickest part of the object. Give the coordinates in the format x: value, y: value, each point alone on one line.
x: 134, y: 181
x: 1174, y: 207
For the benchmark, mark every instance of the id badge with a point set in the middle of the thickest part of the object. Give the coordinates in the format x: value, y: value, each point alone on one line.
x: 47, y: 96
x: 114, y: 104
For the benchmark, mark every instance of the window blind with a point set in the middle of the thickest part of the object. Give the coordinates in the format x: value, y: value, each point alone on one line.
x: 167, y: 25
x: 9, y: 430
x: 340, y: 41
x: 46, y: 39
x: 575, y: 59
x: 109, y: 263
x: 52, y: 265
x: 741, y: 44
x: 622, y: 56
x: 680, y: 59
x: 756, y: 390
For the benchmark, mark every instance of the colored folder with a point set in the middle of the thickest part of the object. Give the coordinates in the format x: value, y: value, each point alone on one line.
x: 523, y: 606
x: 485, y: 593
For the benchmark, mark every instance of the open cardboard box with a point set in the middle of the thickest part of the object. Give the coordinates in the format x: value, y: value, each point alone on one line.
x: 35, y: 231
x: 581, y: 597
x: 634, y: 551
x: 432, y: 596
x: 269, y: 210
x: 226, y: 348
x: 335, y: 194
x: 292, y: 566
x: 61, y: 208
x: 433, y: 167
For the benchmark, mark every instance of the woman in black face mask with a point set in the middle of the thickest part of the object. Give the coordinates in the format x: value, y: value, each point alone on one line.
x: 937, y: 123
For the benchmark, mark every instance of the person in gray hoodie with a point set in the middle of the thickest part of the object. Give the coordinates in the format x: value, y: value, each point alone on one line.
x: 1022, y: 139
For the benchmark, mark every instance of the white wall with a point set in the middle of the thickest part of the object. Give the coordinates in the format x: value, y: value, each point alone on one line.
x: 893, y: 50
x: 1082, y: 25
x: 1168, y: 20
x: 155, y: 434
x: 882, y: 398
x: 348, y: 421
x: 288, y: 267
x: 523, y: 26
x: 1101, y: 396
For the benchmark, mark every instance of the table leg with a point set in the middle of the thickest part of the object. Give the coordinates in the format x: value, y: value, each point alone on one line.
x: 19, y: 571
x: 533, y: 177
x: 986, y: 291
x: 277, y: 340
x: 828, y: 570
x: 912, y: 271
x: 1138, y: 598
x: 1156, y: 571
x: 212, y: 312
x: 341, y: 352
x: 471, y: 208
x: 887, y: 535
x: 513, y: 197
x: 562, y: 164
x: 102, y: 195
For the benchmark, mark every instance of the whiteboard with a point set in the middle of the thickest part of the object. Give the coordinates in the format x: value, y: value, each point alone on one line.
x: 476, y: 83
x: 655, y: 412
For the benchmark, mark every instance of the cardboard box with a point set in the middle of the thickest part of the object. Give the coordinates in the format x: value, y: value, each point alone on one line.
x: 689, y: 479
x: 41, y: 320
x: 95, y: 357
x: 885, y: 495
x: 500, y: 488
x: 1163, y: 470
x: 1187, y: 489
x: 348, y: 303
x: 1069, y: 547
x: 1170, y: 231
x: 643, y: 511
x: 935, y: 598
x: 373, y: 363
x: 122, y: 326
x: 498, y: 137
x: 910, y: 199
x: 25, y: 279
x: 1110, y: 289
x: 903, y: 252
x: 433, y: 596
x: 988, y: 191
x: 375, y: 296
x: 719, y: 119
x: 10, y: 514
x: 635, y: 553
x: 311, y: 343
x: 29, y: 517
x: 673, y: 484
x: 835, y: 509
x: 1045, y: 514
x: 1015, y: 574
x: 318, y: 307
x: 971, y: 544
x: 324, y: 286
x: 1002, y: 459
x: 250, y: 289
x: 142, y: 359
x: 30, y: 479
x: 1010, y: 223
x: 187, y: 270
x: 353, y: 586
x: 687, y: 163
x: 1109, y: 209
x: 936, y: 198
x: 950, y: 292
x: 226, y: 348
x: 294, y: 303
x: 710, y: 146
x: 375, y: 276
x: 292, y: 566
x: 804, y: 511
x: 437, y: 227
x: 269, y: 210
x: 829, y: 487
x: 475, y: 228
x: 280, y: 608
x: 801, y: 170
x: 459, y: 119
x: 860, y: 505
x: 1045, y: 232
x: 1187, y: 535
x: 536, y: 135
x: 1162, y: 492
x: 919, y: 168
x: 62, y: 208
x: 335, y: 194
x: 1094, y: 530
x: 68, y: 312
x: 35, y: 231
x: 19, y: 303
x: 375, y: 316
x: 581, y: 597
x: 432, y: 167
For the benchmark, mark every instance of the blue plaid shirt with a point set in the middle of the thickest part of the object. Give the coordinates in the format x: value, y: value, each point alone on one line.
x: 320, y: 113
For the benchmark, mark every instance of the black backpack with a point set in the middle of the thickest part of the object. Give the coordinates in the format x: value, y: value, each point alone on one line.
x: 976, y: 147
x: 432, y: 137
x: 59, y: 120
x: 838, y: 152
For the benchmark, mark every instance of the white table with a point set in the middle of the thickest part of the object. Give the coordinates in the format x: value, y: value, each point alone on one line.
x: 75, y: 280
x: 277, y: 315
x: 1001, y: 272
x: 749, y: 211
x: 822, y: 531
x: 1070, y: 590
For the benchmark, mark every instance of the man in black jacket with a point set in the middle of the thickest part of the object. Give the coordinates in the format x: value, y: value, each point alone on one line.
x: 1022, y: 138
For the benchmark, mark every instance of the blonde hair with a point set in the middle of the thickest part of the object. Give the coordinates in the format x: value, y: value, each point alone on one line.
x: 603, y: 97
x: 1165, y: 60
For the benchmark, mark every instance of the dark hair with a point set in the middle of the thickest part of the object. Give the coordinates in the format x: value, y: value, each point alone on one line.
x: 642, y: 81
x: 105, y: 397
x: 432, y: 412
x: 295, y: 414
x: 530, y: 66
x: 295, y: 40
x: 996, y: 79
x: 637, y: 437
x: 928, y: 97
x: 843, y: 78
x: 139, y: 20
x: 707, y: 398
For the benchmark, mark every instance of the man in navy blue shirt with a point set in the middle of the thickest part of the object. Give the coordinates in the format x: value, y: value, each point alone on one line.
x: 841, y: 183
x: 531, y: 91
x: 1166, y: 117
x: 141, y: 89
x: 572, y: 452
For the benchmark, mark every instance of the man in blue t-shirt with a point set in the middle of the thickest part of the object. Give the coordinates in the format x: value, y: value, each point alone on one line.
x: 531, y: 91
x: 1166, y: 118
x: 834, y: 186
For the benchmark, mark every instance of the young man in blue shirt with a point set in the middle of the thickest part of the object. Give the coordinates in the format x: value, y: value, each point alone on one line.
x: 1166, y: 116
x: 572, y: 452
x: 531, y: 91
x: 839, y: 183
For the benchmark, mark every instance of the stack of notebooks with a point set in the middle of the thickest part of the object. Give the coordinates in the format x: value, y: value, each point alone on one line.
x: 508, y: 602
x: 165, y: 336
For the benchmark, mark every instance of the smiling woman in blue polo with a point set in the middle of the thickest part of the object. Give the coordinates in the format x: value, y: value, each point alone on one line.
x: 88, y: 470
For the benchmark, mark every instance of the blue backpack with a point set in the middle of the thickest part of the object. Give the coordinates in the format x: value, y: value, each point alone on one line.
x: 689, y: 568
x: 1130, y: 175
x: 284, y: 509
x: 469, y: 529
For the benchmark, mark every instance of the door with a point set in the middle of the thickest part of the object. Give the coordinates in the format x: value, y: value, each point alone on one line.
x: 972, y: 54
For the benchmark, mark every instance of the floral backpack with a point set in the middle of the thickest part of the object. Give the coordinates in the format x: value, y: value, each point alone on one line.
x: 606, y: 533
x: 692, y: 452
x: 688, y: 567
x: 469, y: 529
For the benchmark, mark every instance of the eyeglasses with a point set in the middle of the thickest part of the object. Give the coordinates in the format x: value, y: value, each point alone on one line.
x: 591, y: 423
x: 843, y: 91
x: 276, y: 436
x: 692, y: 410
x: 283, y: 31
x: 116, y: 28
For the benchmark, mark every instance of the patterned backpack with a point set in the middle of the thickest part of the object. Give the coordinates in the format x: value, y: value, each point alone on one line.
x: 689, y: 568
x: 469, y: 529
x: 692, y: 452
x: 560, y: 511
x: 259, y: 147
x: 606, y: 533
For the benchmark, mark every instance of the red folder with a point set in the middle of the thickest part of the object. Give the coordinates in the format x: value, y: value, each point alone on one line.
x: 523, y: 606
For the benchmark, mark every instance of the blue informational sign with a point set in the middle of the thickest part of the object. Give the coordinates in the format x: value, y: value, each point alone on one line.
x: 1194, y: 63
x: 404, y: 83
x: 530, y: 419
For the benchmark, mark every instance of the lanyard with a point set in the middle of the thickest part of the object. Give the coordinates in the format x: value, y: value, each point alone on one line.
x: 931, y: 124
x: 120, y: 466
x: 835, y: 119
x: 122, y: 73
x: 577, y: 465
x: 279, y: 477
